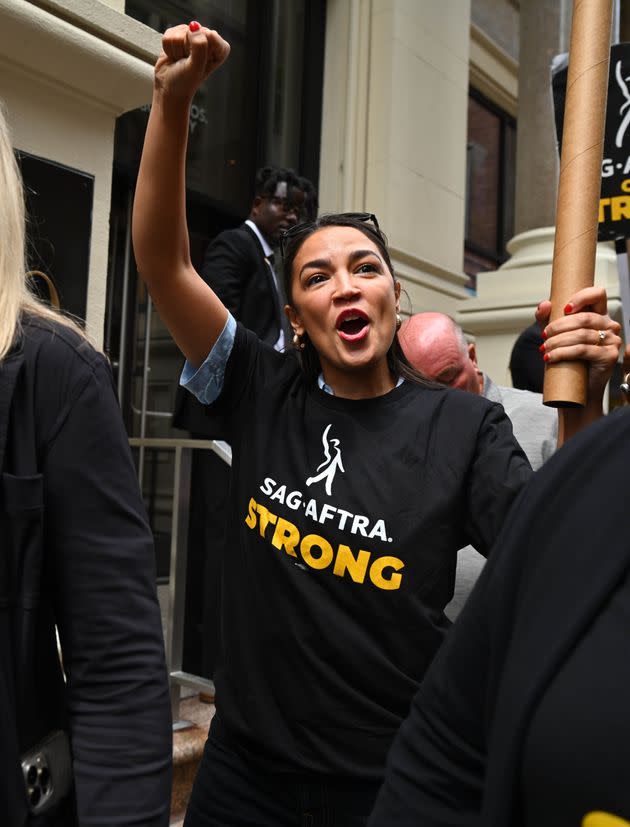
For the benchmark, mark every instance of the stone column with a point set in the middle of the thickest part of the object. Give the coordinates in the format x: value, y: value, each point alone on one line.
x: 545, y: 28
x: 507, y: 298
x: 624, y: 23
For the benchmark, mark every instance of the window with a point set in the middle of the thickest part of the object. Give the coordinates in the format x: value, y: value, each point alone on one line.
x: 490, y: 170
x: 59, y: 208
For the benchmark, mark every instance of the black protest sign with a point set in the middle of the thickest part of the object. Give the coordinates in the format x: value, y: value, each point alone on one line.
x: 614, y: 204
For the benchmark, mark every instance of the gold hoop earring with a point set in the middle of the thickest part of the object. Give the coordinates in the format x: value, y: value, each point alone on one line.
x: 398, y: 321
x: 298, y: 344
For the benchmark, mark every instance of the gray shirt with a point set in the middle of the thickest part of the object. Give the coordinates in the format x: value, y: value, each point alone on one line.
x: 536, y: 429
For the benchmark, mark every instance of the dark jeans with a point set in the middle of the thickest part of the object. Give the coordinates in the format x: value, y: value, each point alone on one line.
x: 231, y: 792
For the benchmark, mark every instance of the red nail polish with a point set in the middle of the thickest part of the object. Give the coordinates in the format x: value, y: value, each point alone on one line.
x: 544, y: 334
x: 194, y: 26
x: 546, y: 357
x: 568, y: 308
x: 542, y: 348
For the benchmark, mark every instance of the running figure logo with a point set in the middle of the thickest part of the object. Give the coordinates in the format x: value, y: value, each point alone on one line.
x: 328, y: 468
x: 625, y: 120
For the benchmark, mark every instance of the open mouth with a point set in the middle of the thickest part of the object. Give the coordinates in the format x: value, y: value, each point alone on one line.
x: 352, y: 326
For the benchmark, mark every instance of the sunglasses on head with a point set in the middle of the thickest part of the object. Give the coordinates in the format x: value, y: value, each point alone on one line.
x: 306, y: 226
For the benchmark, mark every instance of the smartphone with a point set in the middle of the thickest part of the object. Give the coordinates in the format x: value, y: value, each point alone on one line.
x: 47, y: 771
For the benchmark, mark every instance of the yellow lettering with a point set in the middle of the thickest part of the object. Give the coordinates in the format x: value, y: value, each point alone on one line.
x: 266, y: 517
x: 286, y: 536
x: 318, y: 553
x: 603, y: 202
x: 355, y: 566
x: 377, y: 573
x: 250, y: 520
x: 619, y: 208
x: 323, y: 559
x: 625, y: 185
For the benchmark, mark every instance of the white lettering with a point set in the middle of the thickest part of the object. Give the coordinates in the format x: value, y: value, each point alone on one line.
x: 345, y: 520
x: 279, y: 494
x: 379, y: 531
x: 268, y: 485
x: 343, y: 516
x: 359, y: 524
x: 327, y: 513
x: 294, y: 499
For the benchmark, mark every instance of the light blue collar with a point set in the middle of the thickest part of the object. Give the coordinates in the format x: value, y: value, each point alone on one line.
x: 327, y: 389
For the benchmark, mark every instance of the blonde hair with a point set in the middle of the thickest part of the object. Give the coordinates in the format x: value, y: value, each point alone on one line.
x: 16, y: 297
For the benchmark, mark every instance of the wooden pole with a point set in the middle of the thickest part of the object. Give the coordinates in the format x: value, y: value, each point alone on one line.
x: 580, y: 182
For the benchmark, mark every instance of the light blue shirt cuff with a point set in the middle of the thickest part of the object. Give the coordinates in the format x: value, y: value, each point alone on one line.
x: 206, y: 382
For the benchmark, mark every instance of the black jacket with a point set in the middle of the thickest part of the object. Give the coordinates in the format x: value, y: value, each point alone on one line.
x: 77, y: 550
x: 236, y: 269
x: 561, y: 554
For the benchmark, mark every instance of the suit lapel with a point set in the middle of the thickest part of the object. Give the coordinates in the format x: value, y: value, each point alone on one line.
x: 275, y: 289
x: 263, y: 264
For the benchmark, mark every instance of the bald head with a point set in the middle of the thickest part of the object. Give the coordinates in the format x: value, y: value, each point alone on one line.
x: 436, y: 346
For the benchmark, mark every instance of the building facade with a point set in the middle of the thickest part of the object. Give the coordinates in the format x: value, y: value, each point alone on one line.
x: 381, y: 122
x: 433, y: 114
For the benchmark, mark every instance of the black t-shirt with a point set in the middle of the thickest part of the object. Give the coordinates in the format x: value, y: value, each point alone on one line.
x: 577, y: 751
x: 346, y: 516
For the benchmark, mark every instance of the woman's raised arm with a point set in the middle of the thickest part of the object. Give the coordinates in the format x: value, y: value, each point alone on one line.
x: 189, y: 308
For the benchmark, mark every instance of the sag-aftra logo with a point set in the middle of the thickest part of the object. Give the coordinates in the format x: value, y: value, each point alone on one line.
x: 331, y: 464
x: 360, y: 565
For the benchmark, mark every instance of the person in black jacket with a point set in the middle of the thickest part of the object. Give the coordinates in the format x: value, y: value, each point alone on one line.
x: 522, y: 719
x: 76, y: 553
x: 239, y: 265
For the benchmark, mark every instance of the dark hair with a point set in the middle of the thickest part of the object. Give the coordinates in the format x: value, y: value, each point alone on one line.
x: 309, y: 359
x: 311, y: 202
x: 268, y: 178
x: 526, y: 366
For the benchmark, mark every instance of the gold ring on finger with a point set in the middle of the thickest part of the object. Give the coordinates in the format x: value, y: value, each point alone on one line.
x: 601, y: 335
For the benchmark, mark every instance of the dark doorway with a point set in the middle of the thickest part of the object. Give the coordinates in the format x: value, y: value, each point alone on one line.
x: 59, y: 209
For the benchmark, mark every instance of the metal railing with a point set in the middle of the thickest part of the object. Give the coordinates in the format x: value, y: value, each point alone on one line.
x: 175, y: 614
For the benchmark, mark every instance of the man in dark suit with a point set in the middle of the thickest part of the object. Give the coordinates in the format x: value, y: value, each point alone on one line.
x: 239, y: 266
x: 239, y: 263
